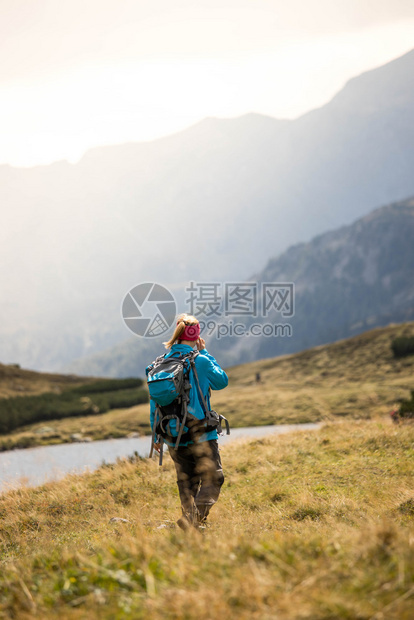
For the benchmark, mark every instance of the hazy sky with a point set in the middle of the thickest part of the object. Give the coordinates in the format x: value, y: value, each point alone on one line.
x: 76, y: 74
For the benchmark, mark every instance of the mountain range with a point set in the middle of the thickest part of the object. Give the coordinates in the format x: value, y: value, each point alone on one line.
x: 213, y: 202
x: 346, y: 281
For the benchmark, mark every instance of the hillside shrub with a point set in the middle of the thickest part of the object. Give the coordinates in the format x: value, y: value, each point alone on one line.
x: 107, y: 385
x: 22, y: 410
x: 406, y: 409
x: 402, y: 346
x: 119, y: 399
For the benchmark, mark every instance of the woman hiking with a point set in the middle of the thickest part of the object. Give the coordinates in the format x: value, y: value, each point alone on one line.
x: 196, y: 457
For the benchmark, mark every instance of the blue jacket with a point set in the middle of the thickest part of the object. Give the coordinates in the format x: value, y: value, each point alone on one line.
x: 210, y: 375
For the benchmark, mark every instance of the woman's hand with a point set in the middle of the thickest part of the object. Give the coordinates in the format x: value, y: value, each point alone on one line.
x: 201, y: 344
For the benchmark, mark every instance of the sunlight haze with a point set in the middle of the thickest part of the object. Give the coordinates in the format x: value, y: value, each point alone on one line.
x: 80, y: 75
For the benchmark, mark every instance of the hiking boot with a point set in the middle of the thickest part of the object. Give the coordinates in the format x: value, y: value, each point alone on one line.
x: 184, y: 523
x: 191, y: 518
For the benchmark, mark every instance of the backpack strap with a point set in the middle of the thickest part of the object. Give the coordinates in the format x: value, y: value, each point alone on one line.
x: 180, y: 432
x: 185, y: 397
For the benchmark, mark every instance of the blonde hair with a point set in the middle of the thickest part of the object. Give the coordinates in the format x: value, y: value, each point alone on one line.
x: 182, y: 321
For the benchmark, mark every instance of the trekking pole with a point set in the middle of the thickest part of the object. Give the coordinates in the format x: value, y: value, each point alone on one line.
x: 153, y: 435
x: 161, y: 451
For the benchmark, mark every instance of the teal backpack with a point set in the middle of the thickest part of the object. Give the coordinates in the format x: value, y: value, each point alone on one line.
x: 169, y: 387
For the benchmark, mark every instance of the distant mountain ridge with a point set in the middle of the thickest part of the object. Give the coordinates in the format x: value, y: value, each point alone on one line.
x: 228, y: 193
x: 347, y: 281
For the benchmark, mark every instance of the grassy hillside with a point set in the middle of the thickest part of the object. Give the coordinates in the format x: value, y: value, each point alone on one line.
x: 315, y: 525
x: 358, y: 377
x: 16, y: 381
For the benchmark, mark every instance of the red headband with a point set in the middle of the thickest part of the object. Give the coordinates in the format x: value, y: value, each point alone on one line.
x: 191, y: 332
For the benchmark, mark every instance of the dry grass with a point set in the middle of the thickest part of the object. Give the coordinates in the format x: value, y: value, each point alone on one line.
x: 316, y: 525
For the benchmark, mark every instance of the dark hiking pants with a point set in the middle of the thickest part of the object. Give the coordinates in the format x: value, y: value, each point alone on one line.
x: 199, y: 476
